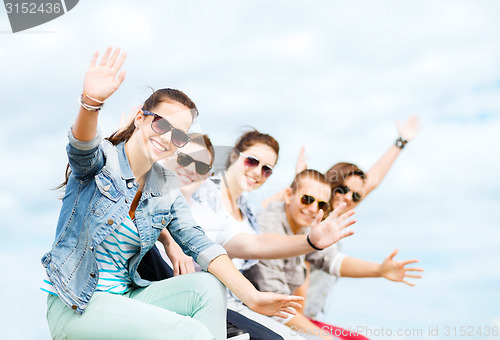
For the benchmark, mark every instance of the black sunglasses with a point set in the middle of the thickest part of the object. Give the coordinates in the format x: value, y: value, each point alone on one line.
x: 161, y: 125
x: 308, y: 199
x: 184, y: 160
x: 252, y: 162
x: 343, y: 189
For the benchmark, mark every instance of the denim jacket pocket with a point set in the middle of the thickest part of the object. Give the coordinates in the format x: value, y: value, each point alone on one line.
x: 161, y: 219
x: 107, y: 185
x: 109, y: 193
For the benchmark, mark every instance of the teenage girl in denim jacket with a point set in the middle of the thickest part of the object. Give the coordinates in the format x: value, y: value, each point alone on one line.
x: 117, y: 200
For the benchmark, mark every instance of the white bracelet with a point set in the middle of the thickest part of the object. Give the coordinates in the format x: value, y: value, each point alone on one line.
x: 96, y: 100
x: 90, y: 107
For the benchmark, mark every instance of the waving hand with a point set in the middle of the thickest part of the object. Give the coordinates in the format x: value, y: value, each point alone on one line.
x: 324, y: 234
x: 102, y: 78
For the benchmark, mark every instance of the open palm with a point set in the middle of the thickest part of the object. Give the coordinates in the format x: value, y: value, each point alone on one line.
x: 268, y: 303
x: 397, y: 270
x: 102, y: 78
x: 324, y: 234
x: 409, y: 129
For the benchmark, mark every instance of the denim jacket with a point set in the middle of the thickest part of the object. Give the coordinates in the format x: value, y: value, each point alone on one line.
x: 97, y: 198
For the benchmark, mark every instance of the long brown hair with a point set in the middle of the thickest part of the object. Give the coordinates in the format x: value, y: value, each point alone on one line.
x: 124, y: 134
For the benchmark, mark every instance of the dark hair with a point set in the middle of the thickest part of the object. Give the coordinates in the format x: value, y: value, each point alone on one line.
x: 204, y: 140
x: 308, y: 173
x: 158, y: 96
x: 251, y: 138
x: 338, y: 173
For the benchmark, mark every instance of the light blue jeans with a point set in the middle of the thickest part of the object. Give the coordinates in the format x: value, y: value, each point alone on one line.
x: 189, y: 306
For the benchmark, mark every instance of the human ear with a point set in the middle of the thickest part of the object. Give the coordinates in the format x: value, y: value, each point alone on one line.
x: 288, y: 195
x: 233, y: 157
x: 138, y: 119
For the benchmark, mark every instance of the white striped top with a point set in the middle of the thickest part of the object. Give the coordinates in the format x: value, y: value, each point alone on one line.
x: 112, y: 257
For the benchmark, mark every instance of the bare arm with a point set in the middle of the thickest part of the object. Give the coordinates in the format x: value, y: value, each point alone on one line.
x: 352, y: 267
x: 182, y: 263
x: 276, y: 246
x: 390, y: 269
x: 266, y: 303
x: 378, y: 171
x: 101, y: 81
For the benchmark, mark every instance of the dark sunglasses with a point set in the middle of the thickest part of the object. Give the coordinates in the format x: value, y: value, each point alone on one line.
x: 184, y: 160
x: 307, y: 200
x: 161, y: 125
x: 343, y: 189
x: 253, y: 162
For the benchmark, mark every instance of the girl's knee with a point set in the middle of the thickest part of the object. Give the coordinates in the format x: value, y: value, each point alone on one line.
x: 211, y: 284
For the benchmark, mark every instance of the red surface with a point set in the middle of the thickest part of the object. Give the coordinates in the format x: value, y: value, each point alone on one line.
x: 338, y: 332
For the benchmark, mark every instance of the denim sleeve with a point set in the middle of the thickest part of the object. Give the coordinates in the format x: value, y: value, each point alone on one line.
x: 85, y: 157
x: 190, y: 236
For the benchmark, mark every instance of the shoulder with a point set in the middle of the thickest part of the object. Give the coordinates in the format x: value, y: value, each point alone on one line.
x: 270, y: 219
x: 208, y: 194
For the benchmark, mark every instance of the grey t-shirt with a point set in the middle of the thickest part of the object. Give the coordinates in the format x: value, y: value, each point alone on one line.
x: 286, y: 275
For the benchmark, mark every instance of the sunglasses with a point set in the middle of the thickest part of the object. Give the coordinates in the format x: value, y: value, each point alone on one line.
x: 161, y: 125
x: 307, y: 200
x: 253, y: 162
x: 343, y: 189
x: 184, y: 160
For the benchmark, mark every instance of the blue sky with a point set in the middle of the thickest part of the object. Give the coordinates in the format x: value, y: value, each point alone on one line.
x: 330, y: 75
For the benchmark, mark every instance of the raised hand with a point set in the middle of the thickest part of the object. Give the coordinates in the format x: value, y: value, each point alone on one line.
x: 324, y: 234
x: 301, y: 161
x: 268, y: 303
x: 102, y: 78
x: 409, y: 129
x: 396, y: 270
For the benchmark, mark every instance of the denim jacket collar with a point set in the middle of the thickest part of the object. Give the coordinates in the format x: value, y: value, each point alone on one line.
x: 127, y: 173
x: 152, y: 186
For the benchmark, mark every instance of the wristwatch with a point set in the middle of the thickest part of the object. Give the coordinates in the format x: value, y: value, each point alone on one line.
x: 401, y: 142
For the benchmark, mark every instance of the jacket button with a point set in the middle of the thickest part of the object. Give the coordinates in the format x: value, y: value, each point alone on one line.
x: 126, y: 200
x: 91, y: 248
x: 163, y: 221
x: 130, y: 185
x: 74, y: 307
x: 107, y: 187
x: 110, y: 222
x: 92, y: 275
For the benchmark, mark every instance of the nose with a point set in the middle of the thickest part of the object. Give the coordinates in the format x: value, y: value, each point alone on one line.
x: 191, y: 168
x: 313, y: 207
x: 256, y: 173
x: 166, y: 137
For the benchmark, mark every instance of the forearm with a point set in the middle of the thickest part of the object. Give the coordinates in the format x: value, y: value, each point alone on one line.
x: 85, y: 125
x: 165, y: 238
x: 378, y: 171
x: 223, y: 268
x: 352, y: 267
x: 279, y: 196
x: 267, y: 246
